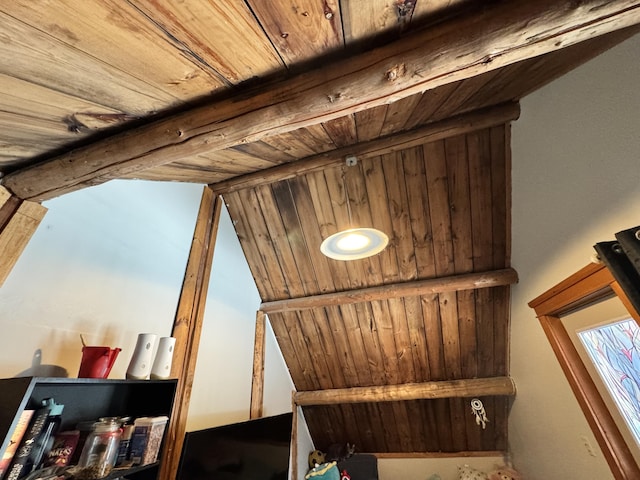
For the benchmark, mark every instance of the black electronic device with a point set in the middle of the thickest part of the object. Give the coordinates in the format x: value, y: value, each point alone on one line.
x: 257, y: 449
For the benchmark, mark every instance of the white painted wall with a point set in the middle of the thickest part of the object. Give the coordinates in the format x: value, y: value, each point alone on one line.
x: 576, y: 181
x: 108, y: 262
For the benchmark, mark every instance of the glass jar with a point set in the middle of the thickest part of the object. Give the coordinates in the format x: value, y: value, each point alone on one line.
x: 100, y: 449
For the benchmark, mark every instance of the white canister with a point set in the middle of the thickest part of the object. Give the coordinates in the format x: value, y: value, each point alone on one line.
x: 142, y: 358
x: 161, y: 368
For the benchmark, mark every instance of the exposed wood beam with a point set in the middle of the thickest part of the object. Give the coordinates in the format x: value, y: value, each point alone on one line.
x: 466, y: 281
x: 458, y: 125
x: 188, y: 325
x: 468, y: 453
x: 18, y: 222
x: 294, y: 439
x: 495, y: 36
x: 257, y: 384
x: 471, y: 387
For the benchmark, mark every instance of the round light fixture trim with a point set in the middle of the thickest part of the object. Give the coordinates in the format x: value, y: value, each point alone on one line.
x: 354, y: 244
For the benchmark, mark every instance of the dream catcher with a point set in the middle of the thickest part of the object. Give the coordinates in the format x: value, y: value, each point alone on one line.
x: 477, y: 408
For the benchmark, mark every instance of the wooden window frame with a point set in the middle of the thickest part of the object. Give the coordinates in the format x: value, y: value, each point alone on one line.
x: 588, y: 286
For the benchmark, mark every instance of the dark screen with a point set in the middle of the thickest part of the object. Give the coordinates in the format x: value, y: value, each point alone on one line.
x: 253, y: 450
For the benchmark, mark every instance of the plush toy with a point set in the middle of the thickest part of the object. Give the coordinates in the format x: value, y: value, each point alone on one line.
x: 316, y: 457
x: 504, y: 473
x: 325, y: 471
x: 468, y: 473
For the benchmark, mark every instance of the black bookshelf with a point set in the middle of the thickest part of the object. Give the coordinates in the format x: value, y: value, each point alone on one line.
x: 86, y: 399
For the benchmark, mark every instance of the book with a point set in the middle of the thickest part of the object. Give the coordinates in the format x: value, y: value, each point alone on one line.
x: 18, y: 467
x: 16, y: 437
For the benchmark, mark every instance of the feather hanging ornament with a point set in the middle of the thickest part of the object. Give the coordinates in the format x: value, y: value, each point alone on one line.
x: 477, y: 408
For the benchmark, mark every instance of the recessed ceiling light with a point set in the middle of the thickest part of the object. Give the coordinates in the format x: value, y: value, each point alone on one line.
x: 354, y: 244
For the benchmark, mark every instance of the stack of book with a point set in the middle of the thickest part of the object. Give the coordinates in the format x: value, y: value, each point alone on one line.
x: 35, y: 442
x: 31, y: 438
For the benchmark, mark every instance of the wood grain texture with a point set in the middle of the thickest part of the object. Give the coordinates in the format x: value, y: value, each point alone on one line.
x: 22, y: 220
x: 187, y: 325
x: 257, y: 376
x: 477, y: 387
x: 428, y: 308
x: 301, y: 30
x: 376, y: 78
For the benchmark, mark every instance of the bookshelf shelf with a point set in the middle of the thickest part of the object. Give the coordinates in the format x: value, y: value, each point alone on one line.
x: 87, y: 399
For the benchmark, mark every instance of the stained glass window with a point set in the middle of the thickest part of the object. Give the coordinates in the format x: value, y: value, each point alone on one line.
x: 615, y: 352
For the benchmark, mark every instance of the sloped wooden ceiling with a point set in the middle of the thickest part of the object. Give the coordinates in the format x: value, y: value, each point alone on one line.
x: 444, y: 205
x: 264, y: 100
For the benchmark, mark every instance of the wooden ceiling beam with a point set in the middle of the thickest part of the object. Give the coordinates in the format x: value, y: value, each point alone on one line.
x: 451, y: 127
x: 465, y: 388
x: 467, y: 281
x: 495, y: 36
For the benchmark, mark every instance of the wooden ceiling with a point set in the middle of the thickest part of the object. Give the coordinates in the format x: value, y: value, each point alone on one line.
x: 264, y: 100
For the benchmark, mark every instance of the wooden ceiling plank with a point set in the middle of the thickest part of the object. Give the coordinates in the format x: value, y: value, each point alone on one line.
x: 500, y: 151
x: 393, y: 167
x: 405, y: 325
x: 42, y: 59
x: 429, y: 104
x: 363, y: 20
x: 418, y: 200
x: 404, y: 349
x: 386, y: 339
x: 398, y: 113
x: 480, y: 164
x: 119, y: 35
x: 462, y: 388
x: 462, y: 239
x: 497, y: 36
x: 369, y: 329
x: 306, y: 378
x: 501, y: 313
x: 377, y: 420
x: 362, y: 214
x: 369, y: 123
x: 417, y: 338
x: 286, y: 234
x: 264, y: 152
x: 316, y: 352
x: 279, y: 324
x: 257, y: 224
x: 234, y: 202
x: 378, y: 200
x: 358, y: 351
x: 302, y: 30
x: 439, y: 204
x: 443, y: 426
x: 303, y: 142
x: 496, y: 115
x: 209, y: 33
x: 326, y: 224
x: 433, y: 335
x: 309, y: 227
x: 335, y: 186
x: 501, y: 196
x: 459, y: 412
x: 419, y: 287
x: 405, y: 419
x: 429, y: 422
x: 341, y: 341
x: 342, y: 130
x: 460, y: 96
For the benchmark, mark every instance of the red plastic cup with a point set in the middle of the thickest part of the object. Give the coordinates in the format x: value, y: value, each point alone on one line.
x: 97, y: 361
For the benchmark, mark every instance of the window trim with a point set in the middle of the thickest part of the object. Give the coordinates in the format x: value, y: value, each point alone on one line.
x: 589, y: 285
